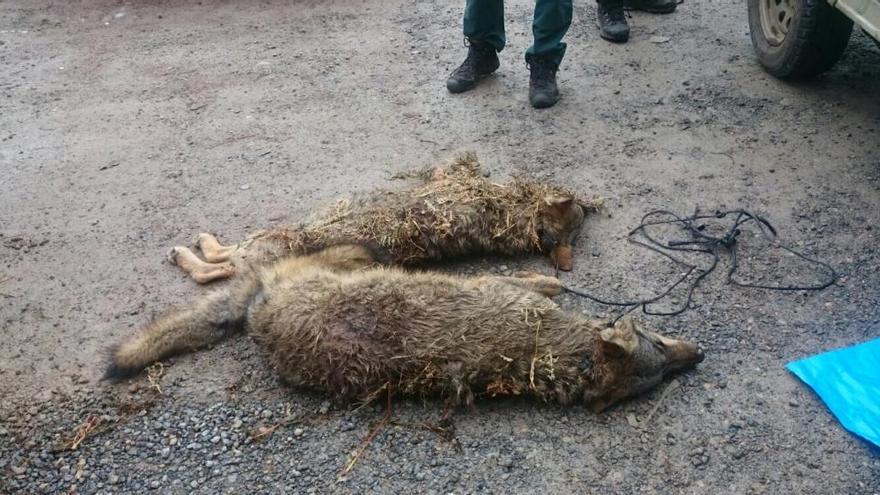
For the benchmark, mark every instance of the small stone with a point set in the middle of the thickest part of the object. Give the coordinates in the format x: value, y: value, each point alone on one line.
x: 266, y: 414
x: 793, y: 403
x: 19, y: 469
x: 659, y: 39
x: 298, y: 432
x: 631, y: 419
x: 113, y: 479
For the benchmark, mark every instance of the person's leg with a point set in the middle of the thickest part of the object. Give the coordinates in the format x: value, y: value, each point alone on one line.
x: 484, y: 22
x: 551, y: 22
x: 484, y: 29
x: 552, y: 19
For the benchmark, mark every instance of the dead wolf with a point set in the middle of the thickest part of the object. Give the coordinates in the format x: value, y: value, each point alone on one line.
x: 455, y: 212
x: 334, y: 322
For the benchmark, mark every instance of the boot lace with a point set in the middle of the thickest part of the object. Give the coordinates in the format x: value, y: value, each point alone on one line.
x: 542, y: 72
x: 477, y: 53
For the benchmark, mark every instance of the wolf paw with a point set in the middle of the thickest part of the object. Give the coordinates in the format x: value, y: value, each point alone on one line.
x: 203, y: 238
x: 173, y: 253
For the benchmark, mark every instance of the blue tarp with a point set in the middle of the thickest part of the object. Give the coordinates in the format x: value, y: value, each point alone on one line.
x: 848, y: 380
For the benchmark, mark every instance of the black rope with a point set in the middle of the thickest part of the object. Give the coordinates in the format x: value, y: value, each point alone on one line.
x: 702, y: 242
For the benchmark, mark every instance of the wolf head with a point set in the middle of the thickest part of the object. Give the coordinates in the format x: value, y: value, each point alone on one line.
x: 631, y: 360
x: 560, y: 220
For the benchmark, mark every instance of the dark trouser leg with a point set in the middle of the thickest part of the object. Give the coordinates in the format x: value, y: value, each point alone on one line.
x: 484, y: 21
x: 552, y: 19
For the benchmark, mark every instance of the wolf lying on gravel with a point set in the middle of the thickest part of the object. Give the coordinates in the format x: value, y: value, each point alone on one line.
x: 334, y: 322
x: 456, y: 212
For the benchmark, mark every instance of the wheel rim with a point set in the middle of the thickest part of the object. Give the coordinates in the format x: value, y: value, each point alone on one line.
x: 776, y: 19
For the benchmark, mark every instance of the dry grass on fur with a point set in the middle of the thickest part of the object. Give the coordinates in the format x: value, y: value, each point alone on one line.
x: 454, y: 211
x: 396, y: 219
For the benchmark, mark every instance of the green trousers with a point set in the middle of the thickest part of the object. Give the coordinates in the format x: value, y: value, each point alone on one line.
x: 484, y: 21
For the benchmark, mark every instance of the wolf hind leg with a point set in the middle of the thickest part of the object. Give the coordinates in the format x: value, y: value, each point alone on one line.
x: 210, y: 319
x: 211, y: 248
x: 200, y: 271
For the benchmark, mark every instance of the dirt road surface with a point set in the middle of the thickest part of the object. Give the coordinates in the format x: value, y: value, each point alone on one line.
x: 127, y: 127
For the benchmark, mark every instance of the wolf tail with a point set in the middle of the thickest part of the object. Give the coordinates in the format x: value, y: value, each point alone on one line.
x: 210, y: 319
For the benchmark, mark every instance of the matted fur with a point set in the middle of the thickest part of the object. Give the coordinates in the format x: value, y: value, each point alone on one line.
x: 353, y: 333
x: 457, y: 212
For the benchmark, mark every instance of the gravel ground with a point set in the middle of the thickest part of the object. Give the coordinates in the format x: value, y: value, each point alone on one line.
x: 127, y: 127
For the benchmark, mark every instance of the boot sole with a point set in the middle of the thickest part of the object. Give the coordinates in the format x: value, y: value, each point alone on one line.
x: 544, y: 104
x: 474, y: 84
x: 616, y: 39
x: 469, y: 86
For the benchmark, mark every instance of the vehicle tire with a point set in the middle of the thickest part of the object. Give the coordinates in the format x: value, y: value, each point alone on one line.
x: 796, y: 39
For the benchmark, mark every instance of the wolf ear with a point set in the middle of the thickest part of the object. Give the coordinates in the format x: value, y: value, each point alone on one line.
x: 561, y: 203
x: 621, y: 337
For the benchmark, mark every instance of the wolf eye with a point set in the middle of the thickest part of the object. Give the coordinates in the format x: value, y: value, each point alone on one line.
x: 657, y: 343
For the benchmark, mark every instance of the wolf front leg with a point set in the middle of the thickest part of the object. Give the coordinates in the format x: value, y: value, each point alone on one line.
x: 200, y: 271
x: 213, y: 251
x: 535, y: 282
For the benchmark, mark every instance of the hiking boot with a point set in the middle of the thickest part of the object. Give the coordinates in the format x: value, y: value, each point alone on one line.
x: 652, y: 6
x: 612, y: 21
x: 482, y: 60
x: 543, y: 91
